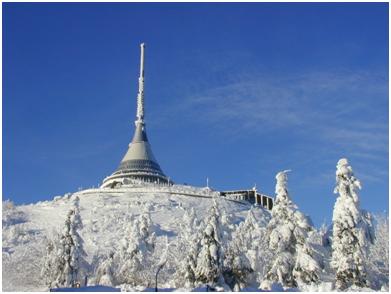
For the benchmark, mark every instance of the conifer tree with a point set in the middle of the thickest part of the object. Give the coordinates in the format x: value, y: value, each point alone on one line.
x: 307, y: 268
x: 350, y: 230
x: 137, y: 247
x: 210, y: 257
x: 105, y: 273
x: 65, y: 257
x: 287, y: 236
x: 378, y: 259
x: 244, y: 254
x: 236, y: 265
x: 227, y: 224
x: 51, y: 264
x: 188, y: 247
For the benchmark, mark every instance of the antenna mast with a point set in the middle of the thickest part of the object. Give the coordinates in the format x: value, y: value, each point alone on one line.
x: 140, y: 95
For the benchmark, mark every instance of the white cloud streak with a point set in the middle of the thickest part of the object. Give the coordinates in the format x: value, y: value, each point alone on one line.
x: 336, y: 106
x: 344, y: 110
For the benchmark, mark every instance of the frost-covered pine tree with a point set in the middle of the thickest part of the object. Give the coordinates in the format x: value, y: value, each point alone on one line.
x: 258, y: 251
x: 292, y: 262
x: 66, y: 256
x: 245, y: 253
x: 51, y: 264
x: 227, y: 224
x: 350, y: 230
x: 188, y: 247
x: 210, y: 257
x: 378, y: 259
x: 135, y: 251
x: 163, y: 260
x: 236, y: 264
x: 105, y: 273
x: 307, y: 268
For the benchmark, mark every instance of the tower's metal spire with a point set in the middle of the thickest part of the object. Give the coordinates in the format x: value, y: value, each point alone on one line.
x: 140, y: 95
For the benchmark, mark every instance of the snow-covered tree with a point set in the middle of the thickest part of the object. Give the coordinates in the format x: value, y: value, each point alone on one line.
x: 65, y: 255
x: 350, y: 230
x: 236, y: 264
x: 292, y: 262
x: 13, y: 219
x: 210, y: 257
x: 227, y: 224
x: 187, y: 245
x: 307, y: 268
x: 247, y: 252
x: 378, y: 259
x: 50, y: 267
x: 22, y: 266
x: 136, y: 248
x: 164, y: 256
x: 105, y: 272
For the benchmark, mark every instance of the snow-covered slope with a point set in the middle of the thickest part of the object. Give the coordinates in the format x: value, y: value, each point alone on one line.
x: 104, y: 214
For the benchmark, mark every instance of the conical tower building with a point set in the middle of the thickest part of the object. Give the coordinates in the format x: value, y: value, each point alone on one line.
x: 139, y: 163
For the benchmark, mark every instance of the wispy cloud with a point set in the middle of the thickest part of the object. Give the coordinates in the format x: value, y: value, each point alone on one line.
x: 342, y: 110
x: 334, y: 105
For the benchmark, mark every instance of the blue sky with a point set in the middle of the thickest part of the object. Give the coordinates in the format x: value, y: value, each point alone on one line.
x: 235, y: 92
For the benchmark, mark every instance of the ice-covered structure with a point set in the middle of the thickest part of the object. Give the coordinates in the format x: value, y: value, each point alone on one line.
x: 139, y: 163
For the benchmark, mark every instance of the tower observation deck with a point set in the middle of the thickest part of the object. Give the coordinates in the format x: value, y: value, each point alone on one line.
x: 139, y: 163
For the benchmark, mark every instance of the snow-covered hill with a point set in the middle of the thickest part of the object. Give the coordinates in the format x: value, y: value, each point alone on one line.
x: 192, y: 231
x: 104, y: 214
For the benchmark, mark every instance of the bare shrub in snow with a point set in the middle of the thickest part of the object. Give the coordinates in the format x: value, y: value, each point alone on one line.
x: 11, y: 215
x: 15, y: 235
